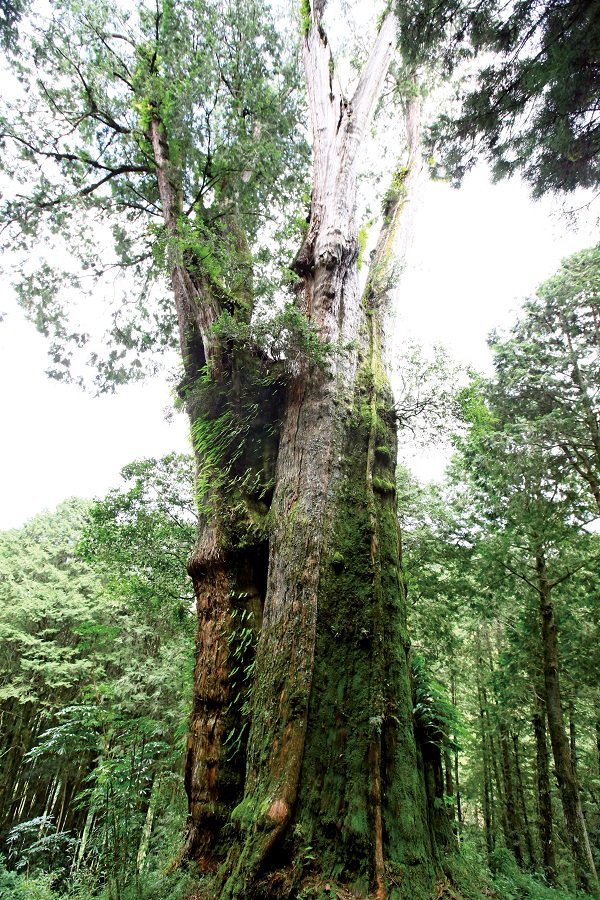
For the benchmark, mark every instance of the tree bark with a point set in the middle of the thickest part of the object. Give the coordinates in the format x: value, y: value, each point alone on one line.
x: 585, y: 870
x: 509, y: 794
x: 487, y: 788
x: 545, y: 820
x: 228, y: 567
x: 332, y: 772
x: 456, y: 767
x: 520, y: 788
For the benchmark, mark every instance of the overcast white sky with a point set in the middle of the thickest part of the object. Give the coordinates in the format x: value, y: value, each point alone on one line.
x: 477, y: 253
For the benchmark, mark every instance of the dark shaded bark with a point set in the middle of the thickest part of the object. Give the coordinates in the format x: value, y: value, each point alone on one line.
x: 487, y: 789
x: 585, y: 870
x: 500, y: 806
x: 513, y: 836
x: 449, y: 782
x: 520, y: 790
x: 545, y: 819
x: 456, y: 767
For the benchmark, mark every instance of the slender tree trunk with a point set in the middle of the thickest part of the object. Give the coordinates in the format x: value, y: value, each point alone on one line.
x: 561, y: 751
x: 486, y: 798
x: 545, y: 820
x: 520, y: 787
x: 501, y: 805
x: 509, y: 794
x: 449, y: 782
x: 456, y: 768
x: 573, y: 734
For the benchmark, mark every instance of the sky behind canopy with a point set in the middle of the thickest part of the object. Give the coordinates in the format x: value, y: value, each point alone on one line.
x: 477, y: 253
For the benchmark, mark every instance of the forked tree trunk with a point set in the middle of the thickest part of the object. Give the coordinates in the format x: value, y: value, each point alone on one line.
x: 332, y: 780
x: 565, y: 773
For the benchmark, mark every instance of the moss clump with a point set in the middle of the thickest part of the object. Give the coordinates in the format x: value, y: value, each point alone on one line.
x: 395, y: 192
x: 383, y: 456
x: 363, y: 235
x: 305, y: 16
x: 337, y: 563
x: 383, y: 486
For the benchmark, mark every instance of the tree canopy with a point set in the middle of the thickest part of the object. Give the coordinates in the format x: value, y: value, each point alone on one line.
x: 222, y: 88
x: 532, y: 105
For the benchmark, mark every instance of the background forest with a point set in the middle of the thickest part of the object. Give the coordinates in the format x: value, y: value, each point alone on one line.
x: 175, y: 130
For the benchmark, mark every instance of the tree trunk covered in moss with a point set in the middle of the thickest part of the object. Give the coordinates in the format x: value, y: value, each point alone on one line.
x: 585, y: 870
x: 333, y: 783
x: 229, y: 566
x: 301, y: 758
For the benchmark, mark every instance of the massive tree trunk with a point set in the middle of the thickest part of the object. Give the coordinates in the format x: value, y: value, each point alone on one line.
x: 561, y: 751
x: 332, y: 784
x: 332, y: 781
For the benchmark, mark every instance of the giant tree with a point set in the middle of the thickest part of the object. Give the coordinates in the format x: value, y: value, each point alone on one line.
x: 176, y: 124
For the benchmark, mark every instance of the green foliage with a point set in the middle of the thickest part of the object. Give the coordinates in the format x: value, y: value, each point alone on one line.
x: 435, y: 717
x: 11, y: 12
x: 305, y: 15
x: 426, y: 389
x: 141, y: 535
x: 531, y: 108
x: 512, y: 884
x: 223, y: 87
x: 99, y: 610
x: 548, y: 369
x: 235, y: 437
x: 283, y: 335
x: 241, y: 645
x: 48, y: 601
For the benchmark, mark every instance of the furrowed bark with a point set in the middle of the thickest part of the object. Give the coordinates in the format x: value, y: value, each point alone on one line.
x: 228, y: 568
x: 331, y: 699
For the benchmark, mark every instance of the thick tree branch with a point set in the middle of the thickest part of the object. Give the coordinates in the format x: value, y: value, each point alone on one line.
x: 369, y: 87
